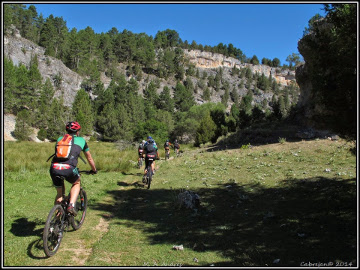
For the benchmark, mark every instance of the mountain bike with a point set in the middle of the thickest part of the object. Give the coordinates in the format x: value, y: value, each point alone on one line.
x: 167, y: 154
x: 59, y: 220
x: 149, y: 172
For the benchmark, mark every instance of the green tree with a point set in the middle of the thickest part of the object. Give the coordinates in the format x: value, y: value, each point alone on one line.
x: 183, y: 98
x: 206, y: 94
x: 53, y: 36
x: 254, y: 60
x: 206, y: 131
x: 108, y: 124
x: 234, y: 96
x: 10, y: 78
x: 166, y: 103
x: 225, y: 97
x: 56, y: 119
x: 311, y: 23
x: 22, y: 126
x: 41, y: 113
x: 293, y: 59
x: 275, y: 62
x: 83, y: 112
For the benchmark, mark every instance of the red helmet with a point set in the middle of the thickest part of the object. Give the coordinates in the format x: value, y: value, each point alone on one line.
x: 73, y: 126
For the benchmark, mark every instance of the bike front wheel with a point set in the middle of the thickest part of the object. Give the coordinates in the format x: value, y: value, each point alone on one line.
x: 54, y: 229
x: 81, y: 207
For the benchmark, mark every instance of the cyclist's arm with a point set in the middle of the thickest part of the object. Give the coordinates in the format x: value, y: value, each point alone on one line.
x: 90, y: 160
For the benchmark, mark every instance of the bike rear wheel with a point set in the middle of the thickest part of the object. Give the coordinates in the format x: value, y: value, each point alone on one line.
x: 149, y: 176
x: 81, y: 207
x: 54, y: 230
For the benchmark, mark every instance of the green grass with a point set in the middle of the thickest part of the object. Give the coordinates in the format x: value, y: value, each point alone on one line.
x: 293, y: 201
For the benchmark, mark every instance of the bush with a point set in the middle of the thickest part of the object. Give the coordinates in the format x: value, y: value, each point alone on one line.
x: 206, y: 131
x: 42, y: 134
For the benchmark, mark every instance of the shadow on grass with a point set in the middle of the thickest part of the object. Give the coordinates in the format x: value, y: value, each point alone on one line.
x: 311, y: 220
x: 24, y: 227
x: 34, y: 248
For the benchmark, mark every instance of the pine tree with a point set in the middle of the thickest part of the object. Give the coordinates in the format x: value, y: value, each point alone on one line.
x: 206, y: 94
x: 166, y: 103
x: 206, y: 131
x: 183, y: 98
x: 46, y: 95
x: 56, y: 120
x: 9, y: 85
x: 234, y: 96
x: 108, y: 124
x: 22, y: 126
x: 83, y: 112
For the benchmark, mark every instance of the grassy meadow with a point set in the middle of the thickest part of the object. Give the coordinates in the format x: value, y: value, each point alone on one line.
x: 280, y: 204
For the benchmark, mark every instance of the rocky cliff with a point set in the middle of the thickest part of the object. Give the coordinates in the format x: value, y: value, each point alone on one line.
x: 21, y: 50
x: 308, y: 102
x: 208, y: 60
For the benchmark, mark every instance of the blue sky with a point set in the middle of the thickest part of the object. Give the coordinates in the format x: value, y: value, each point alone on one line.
x: 265, y: 30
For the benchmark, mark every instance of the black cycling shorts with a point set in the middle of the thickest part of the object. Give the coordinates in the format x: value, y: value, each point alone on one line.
x: 148, y: 162
x: 59, y: 172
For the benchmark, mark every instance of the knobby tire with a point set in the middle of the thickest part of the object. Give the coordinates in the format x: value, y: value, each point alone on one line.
x: 53, y: 226
x: 149, y: 176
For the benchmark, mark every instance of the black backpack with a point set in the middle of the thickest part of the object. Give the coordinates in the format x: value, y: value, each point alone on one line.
x: 150, y: 148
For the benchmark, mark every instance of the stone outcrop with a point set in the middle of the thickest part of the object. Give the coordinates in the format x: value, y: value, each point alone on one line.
x: 21, y: 50
x: 312, y: 110
x: 209, y: 60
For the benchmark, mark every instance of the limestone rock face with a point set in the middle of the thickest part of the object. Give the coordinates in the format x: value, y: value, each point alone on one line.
x: 209, y: 60
x: 21, y: 50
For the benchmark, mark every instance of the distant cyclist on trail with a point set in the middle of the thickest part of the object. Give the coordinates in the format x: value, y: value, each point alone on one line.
x: 66, y: 167
x: 150, y: 149
x: 141, y: 150
x: 167, y: 145
x: 176, y: 147
x: 149, y: 138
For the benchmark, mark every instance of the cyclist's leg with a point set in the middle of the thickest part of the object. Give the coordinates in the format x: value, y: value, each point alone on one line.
x: 58, y: 184
x: 74, y: 191
x: 153, y: 166
x: 74, y: 178
x: 58, y: 197
x: 146, y: 165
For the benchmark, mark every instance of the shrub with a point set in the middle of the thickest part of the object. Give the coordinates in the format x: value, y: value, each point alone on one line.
x: 42, y: 134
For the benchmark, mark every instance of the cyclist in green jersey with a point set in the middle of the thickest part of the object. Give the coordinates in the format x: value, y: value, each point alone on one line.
x: 67, y: 169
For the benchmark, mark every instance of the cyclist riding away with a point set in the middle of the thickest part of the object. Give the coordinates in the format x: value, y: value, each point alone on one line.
x: 66, y: 167
x: 150, y: 149
x: 141, y: 150
x: 176, y: 147
x: 167, y: 145
x: 149, y: 138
